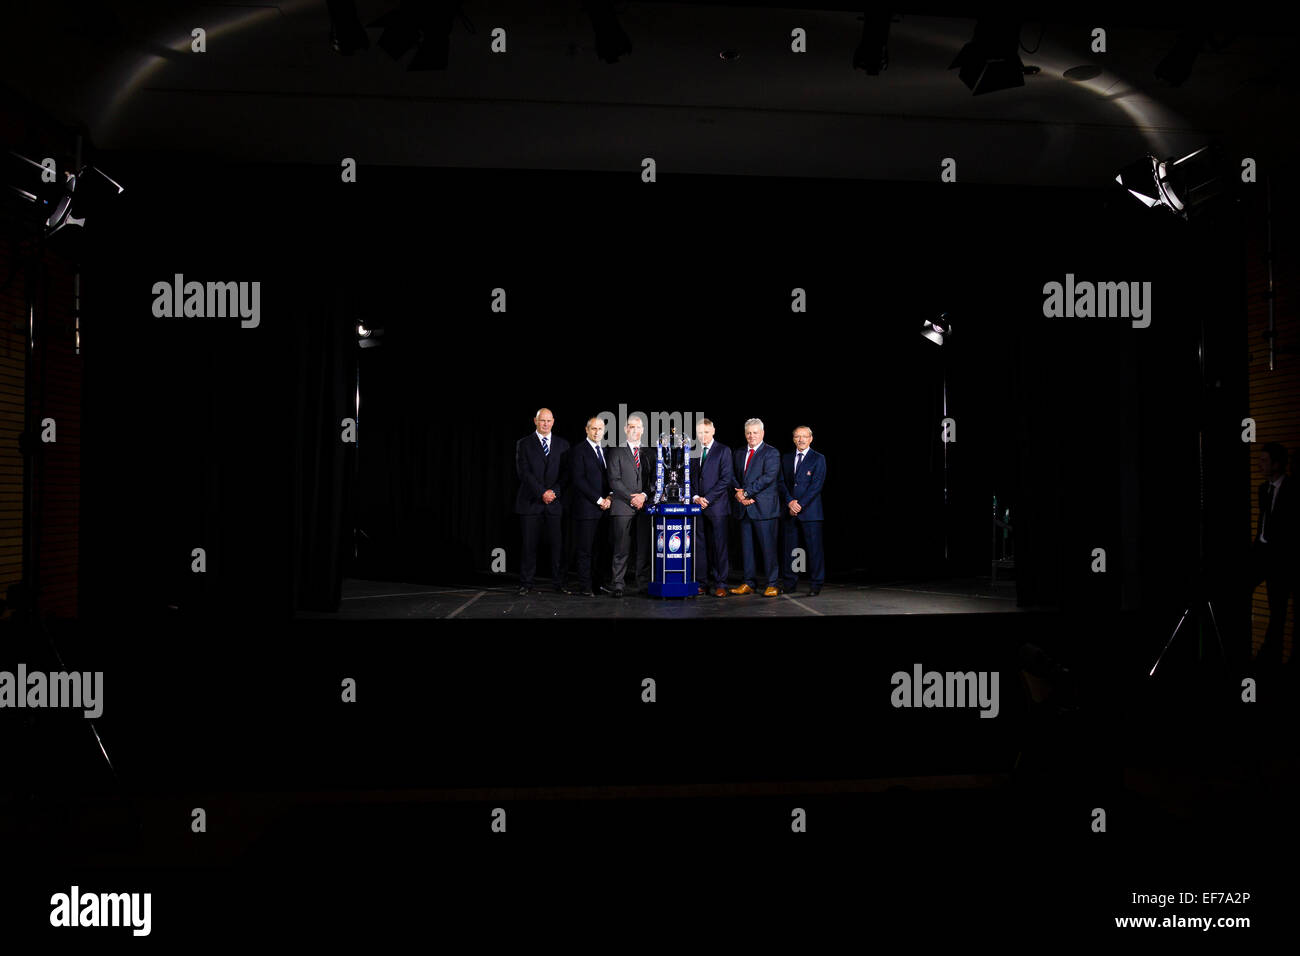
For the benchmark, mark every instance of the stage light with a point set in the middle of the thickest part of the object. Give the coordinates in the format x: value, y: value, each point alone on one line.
x: 347, y: 36
x: 49, y: 206
x: 611, y: 41
x: 991, y: 61
x: 369, y: 336
x: 937, y: 330
x: 1183, y: 186
x: 872, y: 54
x: 1176, y: 67
x: 423, y: 22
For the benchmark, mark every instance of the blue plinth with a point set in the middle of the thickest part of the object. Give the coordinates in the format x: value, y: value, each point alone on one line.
x: 672, y: 530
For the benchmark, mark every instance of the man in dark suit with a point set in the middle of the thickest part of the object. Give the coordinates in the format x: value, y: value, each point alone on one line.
x: 590, y: 501
x: 802, y: 475
x: 631, y: 477
x: 715, y: 483
x: 1275, y: 553
x: 756, y: 506
x: 542, y: 466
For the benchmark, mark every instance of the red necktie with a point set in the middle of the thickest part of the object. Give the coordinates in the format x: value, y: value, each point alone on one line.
x: 636, y: 457
x: 747, y: 457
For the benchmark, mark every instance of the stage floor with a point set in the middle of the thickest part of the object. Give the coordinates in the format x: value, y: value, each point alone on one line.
x: 376, y: 600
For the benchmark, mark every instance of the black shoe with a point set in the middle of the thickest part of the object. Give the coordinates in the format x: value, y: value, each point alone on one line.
x: 564, y: 590
x: 584, y: 593
x: 524, y: 589
x: 814, y: 591
x: 607, y: 590
x: 789, y: 589
x: 618, y: 592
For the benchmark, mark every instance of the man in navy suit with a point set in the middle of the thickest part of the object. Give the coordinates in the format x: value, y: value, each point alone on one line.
x: 542, y: 466
x: 756, y: 506
x: 591, y: 500
x: 1275, y: 552
x: 802, y: 475
x: 715, y: 483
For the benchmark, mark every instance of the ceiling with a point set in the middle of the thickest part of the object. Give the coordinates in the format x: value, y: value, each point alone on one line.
x: 270, y: 89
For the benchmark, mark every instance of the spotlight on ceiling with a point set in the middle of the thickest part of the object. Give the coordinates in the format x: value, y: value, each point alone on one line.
x: 991, y: 61
x: 937, y: 330
x: 1182, y: 186
x: 872, y: 53
x: 369, y: 336
x: 611, y: 41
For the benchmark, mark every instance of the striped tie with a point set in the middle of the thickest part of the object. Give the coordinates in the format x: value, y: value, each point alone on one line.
x: 546, y: 447
x: 636, y: 457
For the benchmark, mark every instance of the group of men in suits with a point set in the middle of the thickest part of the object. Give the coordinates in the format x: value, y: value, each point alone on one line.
x: 1275, y: 551
x: 770, y: 496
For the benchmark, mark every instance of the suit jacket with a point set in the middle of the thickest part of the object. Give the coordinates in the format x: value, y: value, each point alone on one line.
x: 589, y: 480
x: 805, y: 487
x: 715, y: 481
x: 760, y: 482
x: 1281, y: 526
x: 624, y: 481
x: 538, y: 472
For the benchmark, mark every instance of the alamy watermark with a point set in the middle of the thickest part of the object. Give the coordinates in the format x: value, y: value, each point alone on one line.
x: 1098, y: 300
x: 946, y: 689
x: 652, y: 426
x: 102, y: 909
x: 213, y: 300
x: 81, y: 690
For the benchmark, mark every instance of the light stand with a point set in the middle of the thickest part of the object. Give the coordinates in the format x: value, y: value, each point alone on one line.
x: 939, y: 331
x: 1199, y: 604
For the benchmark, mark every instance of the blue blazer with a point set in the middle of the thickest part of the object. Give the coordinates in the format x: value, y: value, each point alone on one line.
x: 760, y: 481
x: 538, y: 472
x: 715, y: 481
x: 805, y: 487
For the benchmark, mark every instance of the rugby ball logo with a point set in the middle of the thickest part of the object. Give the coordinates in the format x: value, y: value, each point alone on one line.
x: 675, y: 543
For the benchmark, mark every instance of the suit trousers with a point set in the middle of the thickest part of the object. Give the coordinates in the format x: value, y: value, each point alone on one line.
x: 1279, y: 572
x: 765, y: 531
x: 712, y: 565
x: 626, y: 532
x: 532, y: 527
x: 811, y: 533
x: 589, y: 547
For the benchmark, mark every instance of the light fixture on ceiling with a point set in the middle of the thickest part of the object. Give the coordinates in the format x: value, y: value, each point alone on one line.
x: 991, y: 61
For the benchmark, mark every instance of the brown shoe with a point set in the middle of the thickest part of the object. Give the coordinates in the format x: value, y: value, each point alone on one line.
x: 720, y: 592
x: 743, y: 589
x: 771, y: 591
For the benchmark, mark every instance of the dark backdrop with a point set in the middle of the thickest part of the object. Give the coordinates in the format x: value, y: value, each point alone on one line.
x: 201, y: 431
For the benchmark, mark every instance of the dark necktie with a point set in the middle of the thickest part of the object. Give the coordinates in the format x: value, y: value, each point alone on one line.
x: 798, y: 460
x: 600, y: 456
x: 703, y: 459
x: 546, y: 447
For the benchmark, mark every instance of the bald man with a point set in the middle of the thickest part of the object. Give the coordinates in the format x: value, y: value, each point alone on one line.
x: 541, y: 462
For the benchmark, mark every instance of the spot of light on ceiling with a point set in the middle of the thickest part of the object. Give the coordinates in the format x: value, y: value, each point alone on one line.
x: 1081, y: 73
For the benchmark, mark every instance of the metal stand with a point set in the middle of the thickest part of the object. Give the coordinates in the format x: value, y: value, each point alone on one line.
x: 1200, y: 602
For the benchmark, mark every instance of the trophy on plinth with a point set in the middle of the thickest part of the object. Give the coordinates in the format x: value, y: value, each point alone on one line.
x: 673, y: 573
